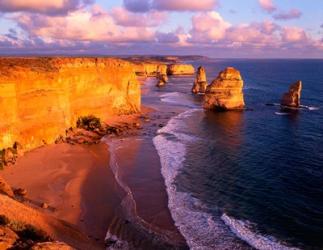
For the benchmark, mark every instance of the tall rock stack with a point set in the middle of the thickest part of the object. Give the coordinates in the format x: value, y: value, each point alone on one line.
x: 200, y: 82
x: 161, y: 75
x: 292, y: 98
x: 225, y: 92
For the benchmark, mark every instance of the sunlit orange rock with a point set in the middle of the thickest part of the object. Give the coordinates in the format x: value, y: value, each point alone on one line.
x: 200, y: 82
x: 293, y: 97
x: 41, y: 97
x: 225, y: 92
x: 149, y: 69
x: 180, y: 69
x: 161, y: 75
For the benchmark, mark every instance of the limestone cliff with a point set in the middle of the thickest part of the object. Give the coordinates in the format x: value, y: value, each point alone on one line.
x: 41, y: 97
x: 148, y: 69
x: 293, y: 97
x: 180, y: 69
x: 225, y: 92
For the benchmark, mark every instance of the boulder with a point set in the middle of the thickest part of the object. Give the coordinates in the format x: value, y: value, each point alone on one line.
x: 180, y: 69
x: 51, y: 246
x: 293, y: 97
x: 200, y: 82
x: 5, y: 188
x: 7, y: 238
x: 225, y: 92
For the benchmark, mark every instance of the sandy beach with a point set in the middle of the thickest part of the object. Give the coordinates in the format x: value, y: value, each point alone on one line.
x: 74, y: 180
x: 79, y: 187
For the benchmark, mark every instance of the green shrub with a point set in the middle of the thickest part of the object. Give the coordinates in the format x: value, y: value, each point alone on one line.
x: 4, y: 220
x: 88, y: 123
x: 32, y: 233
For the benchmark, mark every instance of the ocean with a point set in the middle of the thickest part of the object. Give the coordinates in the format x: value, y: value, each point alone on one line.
x: 252, y: 178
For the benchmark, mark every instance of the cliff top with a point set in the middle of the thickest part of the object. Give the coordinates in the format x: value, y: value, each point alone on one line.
x: 53, y: 64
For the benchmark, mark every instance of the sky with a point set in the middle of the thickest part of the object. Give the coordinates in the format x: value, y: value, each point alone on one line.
x: 214, y: 28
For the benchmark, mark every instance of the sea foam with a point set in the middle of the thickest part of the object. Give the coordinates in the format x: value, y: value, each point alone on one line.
x: 200, y: 229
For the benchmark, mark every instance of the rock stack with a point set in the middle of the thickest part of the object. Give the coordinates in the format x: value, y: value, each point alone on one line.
x: 225, y: 92
x: 292, y: 99
x: 200, y: 82
x: 161, y: 75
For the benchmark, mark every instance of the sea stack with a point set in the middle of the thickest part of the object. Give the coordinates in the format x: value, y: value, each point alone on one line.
x: 161, y: 75
x: 292, y: 99
x: 225, y: 92
x: 200, y: 82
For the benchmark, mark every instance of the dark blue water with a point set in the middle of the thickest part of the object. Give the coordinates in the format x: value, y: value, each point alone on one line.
x: 259, y: 168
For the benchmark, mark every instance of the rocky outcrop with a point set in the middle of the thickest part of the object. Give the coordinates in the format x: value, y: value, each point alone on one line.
x: 180, y: 69
x: 51, y: 246
x: 148, y: 69
x: 293, y: 97
x: 7, y: 238
x: 41, y: 97
x: 225, y: 92
x: 5, y: 188
x: 161, y: 75
x: 46, y: 226
x: 200, y: 82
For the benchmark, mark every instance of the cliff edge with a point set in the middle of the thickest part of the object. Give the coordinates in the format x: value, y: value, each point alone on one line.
x: 41, y: 97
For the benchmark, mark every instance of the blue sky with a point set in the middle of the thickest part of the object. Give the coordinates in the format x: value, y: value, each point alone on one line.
x: 258, y: 28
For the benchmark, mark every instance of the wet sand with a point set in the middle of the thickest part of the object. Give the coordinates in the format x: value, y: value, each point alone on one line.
x: 138, y: 169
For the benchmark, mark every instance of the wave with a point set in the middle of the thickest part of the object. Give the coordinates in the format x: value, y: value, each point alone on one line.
x: 200, y: 229
x: 178, y: 98
x: 281, y: 113
x: 243, y: 231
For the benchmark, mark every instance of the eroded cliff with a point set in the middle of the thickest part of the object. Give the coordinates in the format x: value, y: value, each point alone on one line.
x: 41, y: 97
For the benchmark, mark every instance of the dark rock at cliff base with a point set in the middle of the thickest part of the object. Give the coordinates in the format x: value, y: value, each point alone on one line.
x: 200, y: 82
x: 293, y: 97
x: 225, y: 92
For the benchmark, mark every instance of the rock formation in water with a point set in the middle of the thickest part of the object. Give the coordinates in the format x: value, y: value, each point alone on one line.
x: 180, y: 69
x: 161, y: 75
x: 225, y: 92
x: 293, y: 97
x: 200, y: 82
x: 41, y: 97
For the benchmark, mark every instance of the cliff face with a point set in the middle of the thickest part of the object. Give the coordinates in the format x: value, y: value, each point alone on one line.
x: 180, y: 69
x: 41, y: 97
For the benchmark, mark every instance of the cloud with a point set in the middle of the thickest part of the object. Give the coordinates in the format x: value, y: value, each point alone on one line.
x: 169, y: 37
x: 169, y: 5
x: 81, y: 25
x: 293, y: 34
x: 137, y: 5
x: 267, y: 5
x: 184, y: 5
x: 52, y: 7
x: 124, y: 17
x: 287, y: 15
x: 208, y: 27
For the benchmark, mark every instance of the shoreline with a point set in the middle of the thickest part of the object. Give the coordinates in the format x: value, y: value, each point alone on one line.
x: 78, y: 185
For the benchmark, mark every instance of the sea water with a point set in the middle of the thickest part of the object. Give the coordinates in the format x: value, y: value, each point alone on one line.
x: 252, y: 178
